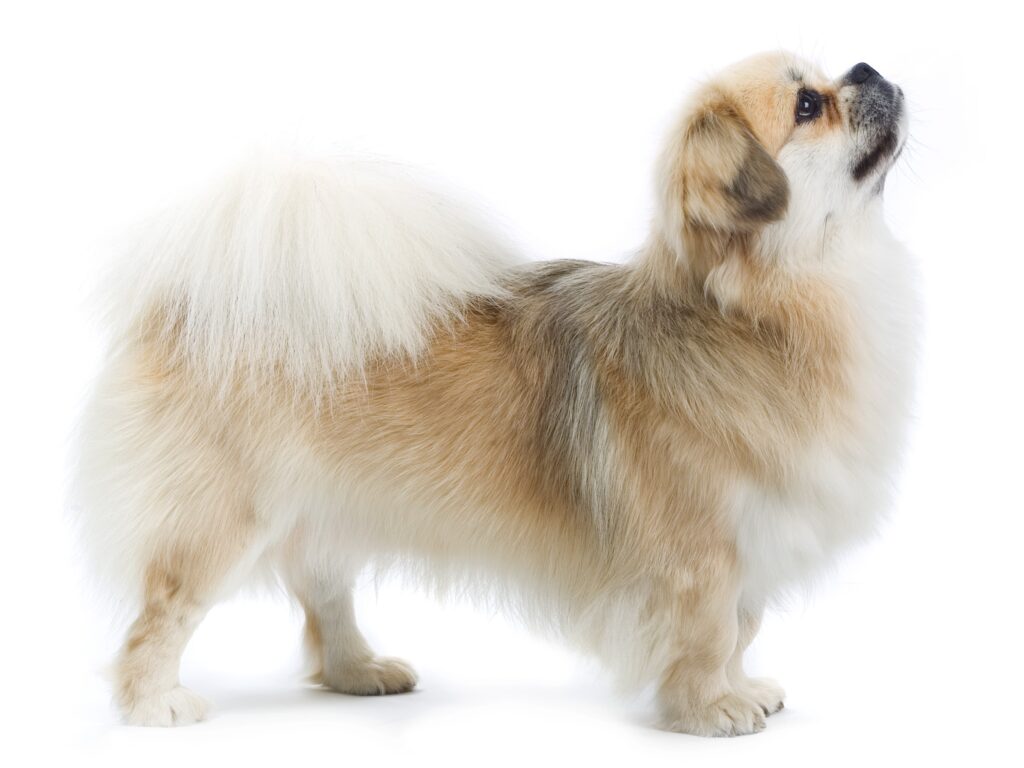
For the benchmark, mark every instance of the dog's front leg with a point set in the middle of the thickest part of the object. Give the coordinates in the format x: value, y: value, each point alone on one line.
x: 697, y: 693
x: 767, y: 693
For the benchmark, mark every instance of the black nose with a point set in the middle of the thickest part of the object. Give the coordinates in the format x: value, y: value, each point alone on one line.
x: 861, y: 73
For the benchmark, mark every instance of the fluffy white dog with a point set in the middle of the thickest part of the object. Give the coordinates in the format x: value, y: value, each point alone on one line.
x: 321, y: 365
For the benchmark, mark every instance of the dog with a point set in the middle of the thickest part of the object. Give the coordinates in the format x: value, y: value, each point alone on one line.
x: 320, y: 366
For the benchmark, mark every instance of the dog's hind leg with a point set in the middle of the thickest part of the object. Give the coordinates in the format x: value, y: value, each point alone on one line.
x: 343, y: 661
x: 193, y: 567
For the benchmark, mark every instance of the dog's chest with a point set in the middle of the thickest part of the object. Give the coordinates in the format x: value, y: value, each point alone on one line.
x: 841, y: 485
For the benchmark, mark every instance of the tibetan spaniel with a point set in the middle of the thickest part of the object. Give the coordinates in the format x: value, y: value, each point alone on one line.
x: 319, y: 367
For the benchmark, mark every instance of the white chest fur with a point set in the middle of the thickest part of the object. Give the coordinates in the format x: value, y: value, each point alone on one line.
x: 841, y: 486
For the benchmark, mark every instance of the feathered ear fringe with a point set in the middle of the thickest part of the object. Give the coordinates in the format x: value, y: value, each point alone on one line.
x: 715, y: 178
x: 304, y: 267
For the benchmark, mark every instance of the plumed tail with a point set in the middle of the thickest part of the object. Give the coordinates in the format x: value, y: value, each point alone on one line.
x: 304, y: 266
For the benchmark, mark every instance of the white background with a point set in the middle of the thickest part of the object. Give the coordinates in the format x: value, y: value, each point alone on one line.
x: 551, y: 115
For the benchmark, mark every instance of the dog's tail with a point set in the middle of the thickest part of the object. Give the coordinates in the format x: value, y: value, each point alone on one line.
x: 304, y: 267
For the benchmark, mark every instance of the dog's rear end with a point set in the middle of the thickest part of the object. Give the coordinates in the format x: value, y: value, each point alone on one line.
x: 233, y: 321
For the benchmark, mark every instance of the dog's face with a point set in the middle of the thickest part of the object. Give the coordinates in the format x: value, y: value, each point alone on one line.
x: 773, y: 145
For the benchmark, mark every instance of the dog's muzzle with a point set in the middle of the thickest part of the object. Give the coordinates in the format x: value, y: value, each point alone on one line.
x: 876, y: 118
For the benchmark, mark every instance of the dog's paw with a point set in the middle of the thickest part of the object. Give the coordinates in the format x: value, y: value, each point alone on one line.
x: 375, y: 677
x: 767, y: 693
x: 178, y: 706
x: 731, y: 715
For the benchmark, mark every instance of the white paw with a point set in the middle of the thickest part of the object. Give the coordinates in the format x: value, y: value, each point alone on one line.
x: 377, y: 676
x: 731, y: 715
x: 178, y: 706
x: 767, y: 693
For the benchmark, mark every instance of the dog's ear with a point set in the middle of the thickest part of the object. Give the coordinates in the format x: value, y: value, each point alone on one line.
x: 717, y: 176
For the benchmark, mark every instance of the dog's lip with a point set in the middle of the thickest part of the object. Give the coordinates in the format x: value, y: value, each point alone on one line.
x: 884, y: 152
x: 886, y: 149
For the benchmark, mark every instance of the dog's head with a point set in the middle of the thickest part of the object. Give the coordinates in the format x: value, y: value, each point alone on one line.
x: 770, y: 149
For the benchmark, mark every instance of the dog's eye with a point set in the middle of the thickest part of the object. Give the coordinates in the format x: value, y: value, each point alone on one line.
x: 808, y: 106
